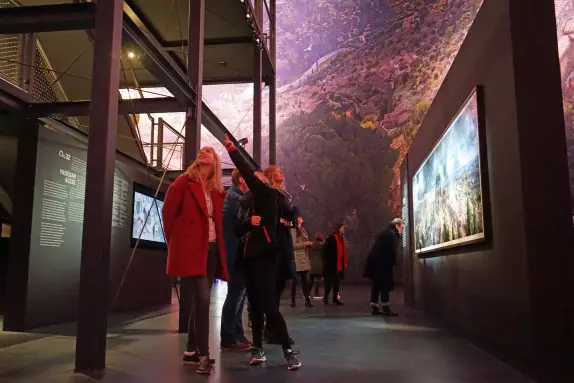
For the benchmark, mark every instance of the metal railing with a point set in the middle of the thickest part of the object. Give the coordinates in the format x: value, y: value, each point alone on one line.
x: 165, y: 149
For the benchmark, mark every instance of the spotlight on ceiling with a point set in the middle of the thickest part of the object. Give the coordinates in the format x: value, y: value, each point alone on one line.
x: 131, y: 55
x: 243, y: 141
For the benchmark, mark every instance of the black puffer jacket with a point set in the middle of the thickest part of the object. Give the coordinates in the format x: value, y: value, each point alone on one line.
x: 263, y: 201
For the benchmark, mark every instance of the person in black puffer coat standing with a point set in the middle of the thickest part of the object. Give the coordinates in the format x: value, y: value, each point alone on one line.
x: 380, y: 264
x: 259, y: 216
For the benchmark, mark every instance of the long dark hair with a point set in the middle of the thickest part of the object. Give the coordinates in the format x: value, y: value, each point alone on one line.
x: 337, y: 228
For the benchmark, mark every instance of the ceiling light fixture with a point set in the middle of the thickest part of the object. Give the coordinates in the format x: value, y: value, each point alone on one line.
x: 131, y: 55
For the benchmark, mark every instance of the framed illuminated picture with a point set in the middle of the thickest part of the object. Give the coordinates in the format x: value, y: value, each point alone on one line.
x: 448, y: 207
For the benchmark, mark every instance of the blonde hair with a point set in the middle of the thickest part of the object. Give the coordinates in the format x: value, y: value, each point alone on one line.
x: 268, y: 172
x: 213, y: 181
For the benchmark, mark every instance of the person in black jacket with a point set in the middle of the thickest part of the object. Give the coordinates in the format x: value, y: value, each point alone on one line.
x: 260, y: 216
x: 335, y: 262
x: 380, y: 264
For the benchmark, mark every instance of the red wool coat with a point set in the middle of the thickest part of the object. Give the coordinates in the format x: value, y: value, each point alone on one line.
x: 186, y: 226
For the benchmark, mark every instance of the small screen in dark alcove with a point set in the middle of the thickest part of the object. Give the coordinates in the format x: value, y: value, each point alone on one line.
x: 147, y: 224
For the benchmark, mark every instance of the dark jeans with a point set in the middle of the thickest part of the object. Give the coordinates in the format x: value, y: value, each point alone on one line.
x: 332, y: 282
x: 200, y: 290
x: 303, y: 276
x: 378, y: 289
x: 232, y: 312
x: 260, y: 280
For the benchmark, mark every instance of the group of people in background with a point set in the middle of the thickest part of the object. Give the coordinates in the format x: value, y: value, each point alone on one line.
x: 253, y: 238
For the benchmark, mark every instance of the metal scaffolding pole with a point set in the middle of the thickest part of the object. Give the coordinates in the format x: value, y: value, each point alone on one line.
x: 195, y: 77
x: 257, y: 89
x: 96, y: 236
x: 194, y: 115
x: 273, y: 89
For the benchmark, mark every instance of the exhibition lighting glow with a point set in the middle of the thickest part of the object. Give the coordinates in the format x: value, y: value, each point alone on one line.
x: 243, y: 141
x: 131, y: 55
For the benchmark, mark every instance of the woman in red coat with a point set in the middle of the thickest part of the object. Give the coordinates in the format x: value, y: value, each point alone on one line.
x: 192, y: 222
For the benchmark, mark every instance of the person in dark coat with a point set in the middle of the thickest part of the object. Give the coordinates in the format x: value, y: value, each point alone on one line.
x: 286, y: 255
x: 380, y: 264
x: 335, y: 261
x: 316, y: 258
x: 232, y: 335
x: 259, y: 218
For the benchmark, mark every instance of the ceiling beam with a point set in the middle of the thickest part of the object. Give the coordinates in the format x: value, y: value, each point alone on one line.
x: 155, y: 59
x: 47, y: 18
x: 82, y: 108
x: 177, y: 45
x: 162, y: 66
x: 13, y: 97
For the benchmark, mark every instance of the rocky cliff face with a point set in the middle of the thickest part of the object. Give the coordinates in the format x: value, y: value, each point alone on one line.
x: 356, y: 78
x: 386, y: 81
x: 345, y: 128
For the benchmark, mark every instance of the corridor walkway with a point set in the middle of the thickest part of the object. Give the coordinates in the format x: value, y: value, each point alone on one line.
x: 338, y: 345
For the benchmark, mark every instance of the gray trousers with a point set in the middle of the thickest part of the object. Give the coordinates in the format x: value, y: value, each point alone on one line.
x: 200, y: 290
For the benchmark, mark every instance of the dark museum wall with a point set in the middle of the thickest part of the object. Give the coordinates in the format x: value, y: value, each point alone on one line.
x: 509, y: 294
x: 43, y: 288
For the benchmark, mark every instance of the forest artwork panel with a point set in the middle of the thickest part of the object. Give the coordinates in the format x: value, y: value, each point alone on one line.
x: 447, y: 191
x: 565, y: 31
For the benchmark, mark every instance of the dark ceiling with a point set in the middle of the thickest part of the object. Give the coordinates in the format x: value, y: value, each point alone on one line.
x: 228, y: 51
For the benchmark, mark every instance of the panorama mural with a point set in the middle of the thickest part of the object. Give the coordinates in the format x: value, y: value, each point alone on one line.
x: 565, y: 30
x: 355, y: 79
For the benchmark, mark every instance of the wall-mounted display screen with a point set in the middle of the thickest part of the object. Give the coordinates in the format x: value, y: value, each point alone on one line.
x: 147, y: 224
x: 447, y: 190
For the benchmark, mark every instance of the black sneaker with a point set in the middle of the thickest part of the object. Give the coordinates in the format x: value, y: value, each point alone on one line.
x: 257, y: 356
x: 337, y: 302
x: 192, y: 358
x: 375, y: 309
x: 293, y: 363
x: 388, y: 312
x: 204, y: 367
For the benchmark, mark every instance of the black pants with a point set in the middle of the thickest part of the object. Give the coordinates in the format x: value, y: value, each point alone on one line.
x: 280, y: 289
x: 332, y: 282
x: 379, y: 289
x: 260, y: 281
x: 302, y: 276
x: 200, y: 290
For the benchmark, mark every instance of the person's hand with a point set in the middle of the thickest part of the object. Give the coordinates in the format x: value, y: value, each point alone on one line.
x: 285, y: 222
x: 308, y: 243
x: 255, y: 220
x: 229, y: 145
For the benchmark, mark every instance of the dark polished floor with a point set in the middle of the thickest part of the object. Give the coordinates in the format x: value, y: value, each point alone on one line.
x: 337, y: 344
